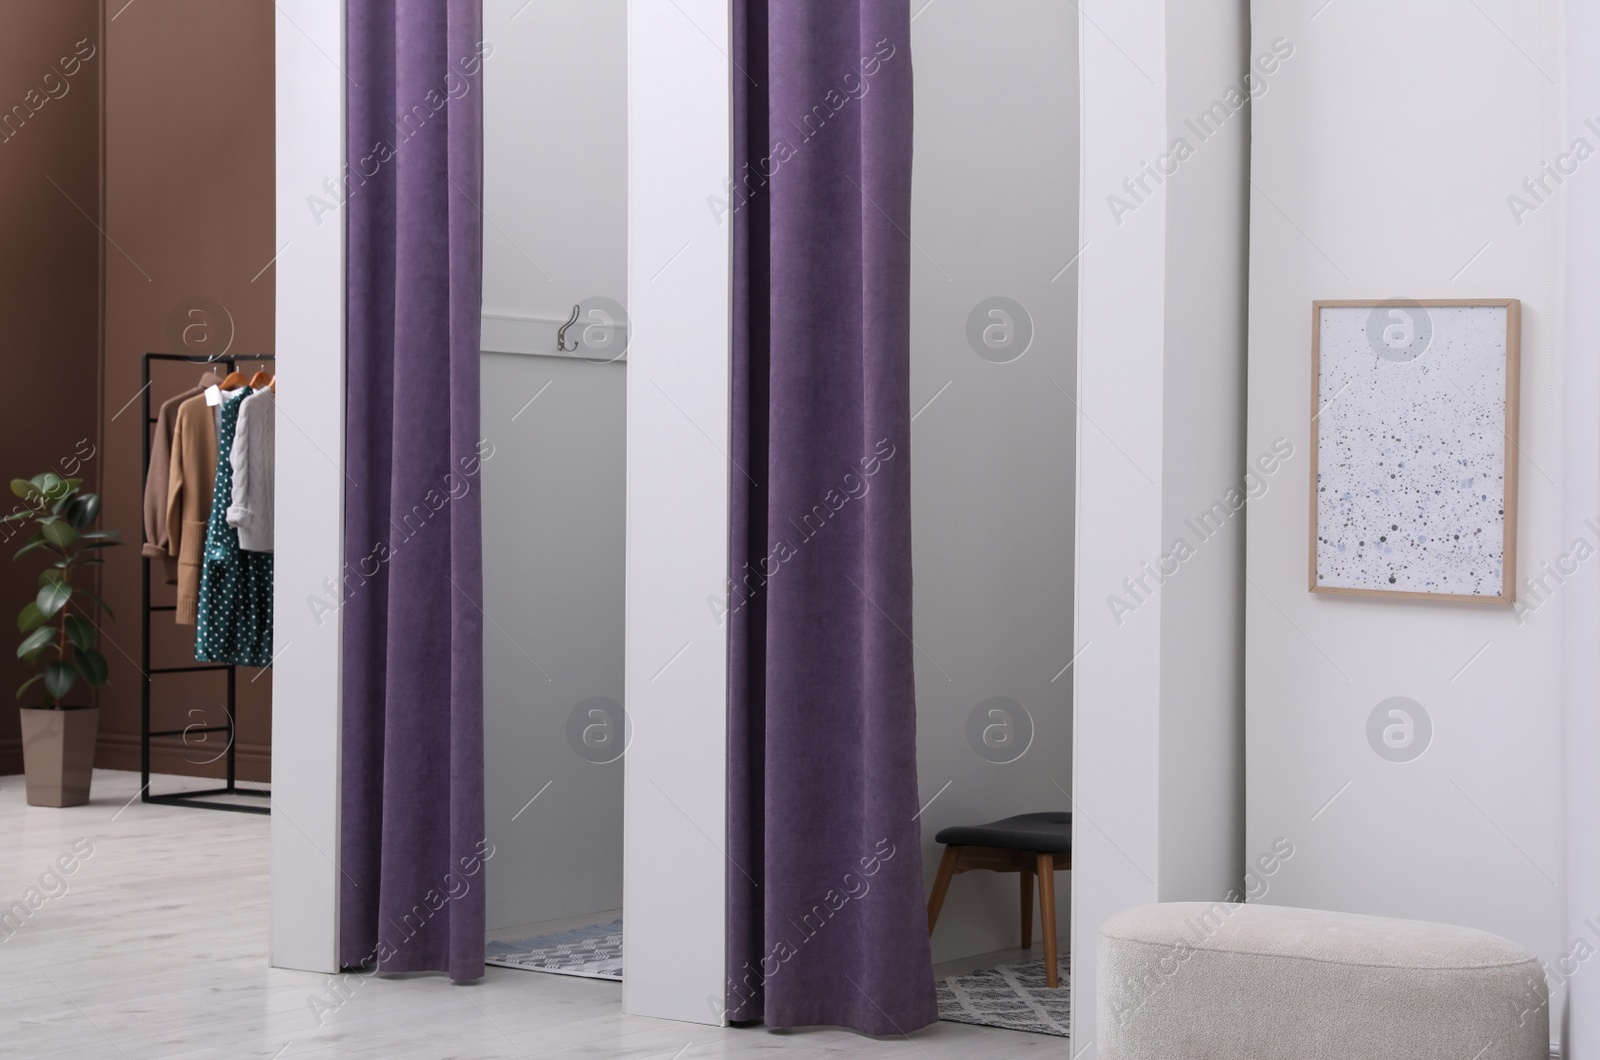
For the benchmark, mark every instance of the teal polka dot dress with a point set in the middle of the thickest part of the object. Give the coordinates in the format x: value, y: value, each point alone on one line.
x: 235, y: 608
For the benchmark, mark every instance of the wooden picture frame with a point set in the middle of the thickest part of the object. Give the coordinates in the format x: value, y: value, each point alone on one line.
x: 1405, y: 313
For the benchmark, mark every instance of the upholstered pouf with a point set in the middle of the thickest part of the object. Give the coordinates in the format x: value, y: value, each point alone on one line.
x: 1186, y: 981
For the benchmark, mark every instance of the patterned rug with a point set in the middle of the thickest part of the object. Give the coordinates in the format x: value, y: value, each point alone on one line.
x: 1012, y: 996
x: 593, y: 952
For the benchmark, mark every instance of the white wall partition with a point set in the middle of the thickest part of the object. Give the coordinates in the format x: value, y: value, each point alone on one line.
x: 677, y: 537
x: 309, y: 274
x: 1381, y: 170
x: 1117, y: 675
x: 1156, y: 700
x: 1580, y: 602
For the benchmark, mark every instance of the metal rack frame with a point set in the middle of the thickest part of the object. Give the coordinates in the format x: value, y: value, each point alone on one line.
x: 187, y: 798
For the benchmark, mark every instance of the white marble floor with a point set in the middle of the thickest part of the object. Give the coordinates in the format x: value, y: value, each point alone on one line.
x: 156, y: 946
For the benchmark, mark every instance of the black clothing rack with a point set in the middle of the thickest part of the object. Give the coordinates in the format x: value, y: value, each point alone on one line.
x: 187, y: 798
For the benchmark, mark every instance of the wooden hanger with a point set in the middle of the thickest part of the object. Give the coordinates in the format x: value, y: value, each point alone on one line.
x: 234, y: 381
x: 259, y: 380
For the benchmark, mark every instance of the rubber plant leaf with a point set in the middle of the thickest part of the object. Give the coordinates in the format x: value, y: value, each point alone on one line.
x: 52, y: 598
x: 36, y: 543
x: 92, y: 666
x: 80, y: 632
x: 59, y: 533
x: 36, y: 642
x: 31, y: 618
x: 59, y: 677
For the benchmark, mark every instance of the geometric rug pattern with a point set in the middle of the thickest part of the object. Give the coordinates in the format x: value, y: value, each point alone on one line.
x: 593, y: 952
x: 1013, y: 996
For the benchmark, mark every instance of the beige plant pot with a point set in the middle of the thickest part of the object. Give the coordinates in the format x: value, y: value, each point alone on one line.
x: 58, y: 754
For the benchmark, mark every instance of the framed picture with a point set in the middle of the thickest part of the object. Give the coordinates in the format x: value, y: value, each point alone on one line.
x: 1414, y: 448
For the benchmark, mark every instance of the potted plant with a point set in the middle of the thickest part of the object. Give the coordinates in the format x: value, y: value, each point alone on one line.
x: 58, y: 737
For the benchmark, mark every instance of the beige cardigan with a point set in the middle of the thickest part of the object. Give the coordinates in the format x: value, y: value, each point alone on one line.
x: 191, y: 476
x: 157, y: 479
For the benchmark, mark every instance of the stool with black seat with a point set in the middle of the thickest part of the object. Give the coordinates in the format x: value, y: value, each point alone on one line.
x: 1032, y: 844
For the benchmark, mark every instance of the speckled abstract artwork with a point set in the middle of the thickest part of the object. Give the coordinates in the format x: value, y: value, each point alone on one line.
x: 1411, y: 491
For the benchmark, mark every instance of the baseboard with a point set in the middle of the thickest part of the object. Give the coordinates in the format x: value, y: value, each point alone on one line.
x: 121, y: 751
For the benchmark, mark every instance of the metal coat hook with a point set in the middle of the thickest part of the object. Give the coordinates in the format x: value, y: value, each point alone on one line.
x: 561, y: 334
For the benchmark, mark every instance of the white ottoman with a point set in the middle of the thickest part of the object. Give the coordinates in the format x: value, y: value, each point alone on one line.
x: 1189, y: 980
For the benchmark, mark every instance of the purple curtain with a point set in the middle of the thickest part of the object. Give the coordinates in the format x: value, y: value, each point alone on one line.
x: 412, y: 828
x: 827, y: 920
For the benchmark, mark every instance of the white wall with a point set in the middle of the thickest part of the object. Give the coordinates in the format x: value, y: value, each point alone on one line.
x: 1382, y: 162
x: 994, y: 213
x: 555, y: 200
x: 1202, y: 460
x: 1156, y: 708
x: 555, y: 165
x: 677, y: 537
x: 1580, y: 603
x: 553, y: 548
x: 309, y: 274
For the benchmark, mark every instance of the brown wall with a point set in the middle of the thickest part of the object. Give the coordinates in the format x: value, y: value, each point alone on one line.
x: 50, y: 261
x: 190, y: 200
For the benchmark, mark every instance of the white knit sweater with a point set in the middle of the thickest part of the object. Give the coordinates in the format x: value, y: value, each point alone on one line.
x: 251, y: 507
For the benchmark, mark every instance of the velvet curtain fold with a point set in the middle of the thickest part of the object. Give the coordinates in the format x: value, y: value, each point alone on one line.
x: 412, y: 828
x: 826, y: 921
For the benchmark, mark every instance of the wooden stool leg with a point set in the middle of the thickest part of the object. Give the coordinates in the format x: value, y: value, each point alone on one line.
x: 941, y: 884
x: 1047, y: 917
x: 1027, y: 907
